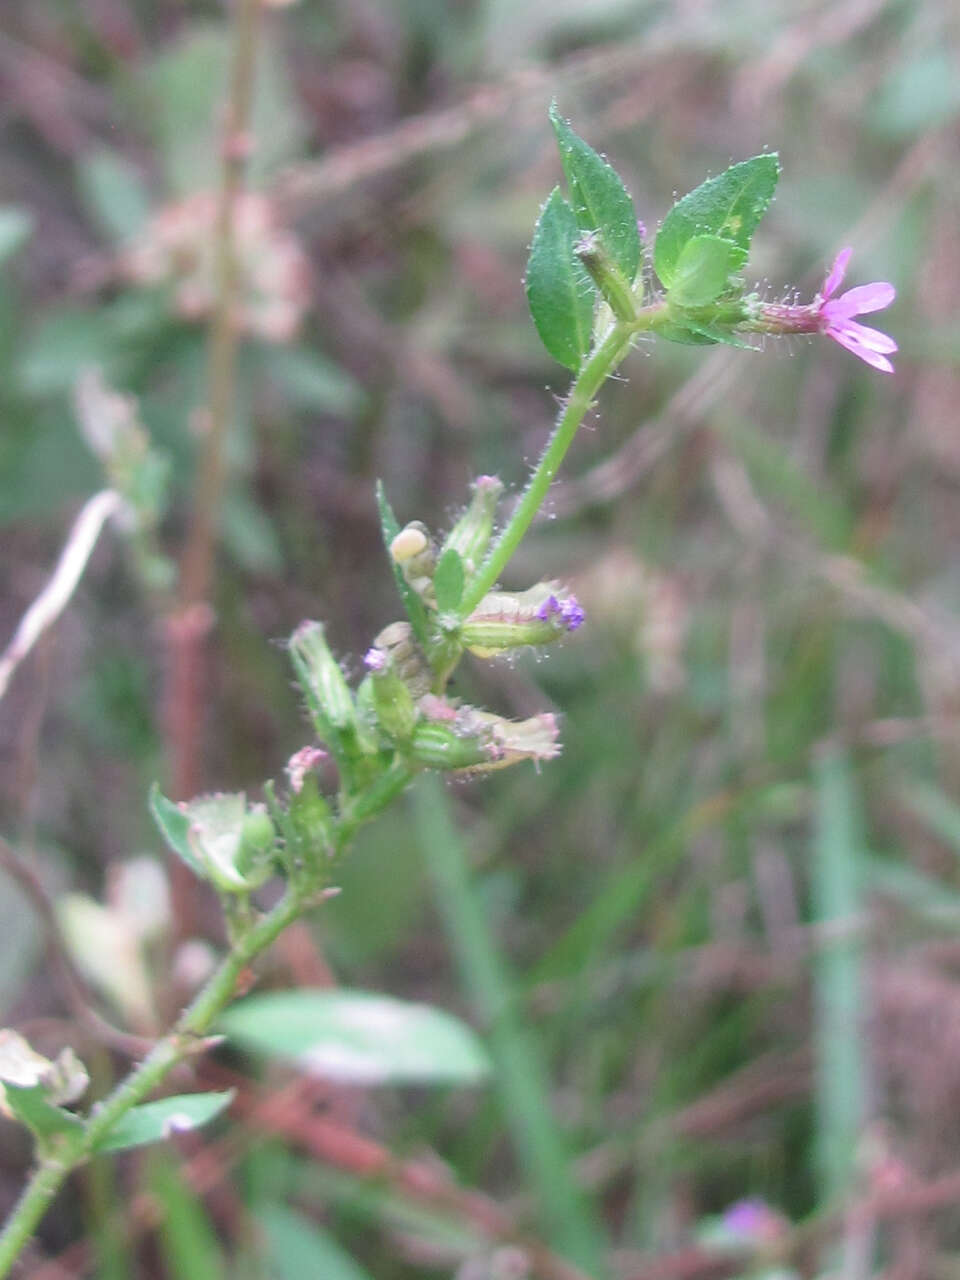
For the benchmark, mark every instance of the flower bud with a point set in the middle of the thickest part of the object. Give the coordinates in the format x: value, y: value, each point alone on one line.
x: 393, y: 704
x: 311, y: 825
x: 439, y: 746
x: 301, y: 763
x: 409, y: 543
x: 607, y: 276
x: 258, y: 838
x: 397, y: 647
x: 328, y: 695
x: 477, y: 741
x: 470, y: 536
x: 507, y: 620
x: 416, y: 556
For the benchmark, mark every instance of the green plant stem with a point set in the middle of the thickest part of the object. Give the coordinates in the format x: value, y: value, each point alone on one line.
x: 30, y: 1208
x: 195, y: 1021
x: 598, y: 368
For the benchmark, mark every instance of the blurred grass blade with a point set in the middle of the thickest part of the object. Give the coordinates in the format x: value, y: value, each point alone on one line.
x: 298, y: 1248
x: 188, y: 1240
x: 520, y: 1074
x: 937, y: 811
x: 838, y: 978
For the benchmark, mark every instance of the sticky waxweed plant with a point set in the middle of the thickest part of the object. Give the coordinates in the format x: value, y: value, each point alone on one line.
x: 589, y: 284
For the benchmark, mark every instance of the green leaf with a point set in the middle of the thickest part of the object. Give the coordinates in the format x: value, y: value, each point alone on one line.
x: 359, y: 1037
x: 31, y: 1108
x: 15, y: 228
x: 560, y: 293
x: 114, y: 194
x: 703, y: 268
x: 448, y: 580
x: 298, y: 1247
x: 599, y: 198
x: 729, y: 206
x: 174, y: 826
x: 156, y: 1121
x: 389, y: 528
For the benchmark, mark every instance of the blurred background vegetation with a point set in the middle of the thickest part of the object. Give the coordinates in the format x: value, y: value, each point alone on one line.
x: 714, y: 948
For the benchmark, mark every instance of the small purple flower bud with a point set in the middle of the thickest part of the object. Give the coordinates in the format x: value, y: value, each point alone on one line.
x: 567, y: 611
x: 572, y: 613
x: 375, y: 659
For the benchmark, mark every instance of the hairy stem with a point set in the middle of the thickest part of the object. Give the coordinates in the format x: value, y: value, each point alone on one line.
x: 195, y: 1021
x: 605, y: 358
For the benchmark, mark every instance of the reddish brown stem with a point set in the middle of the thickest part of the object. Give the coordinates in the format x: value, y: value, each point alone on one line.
x: 189, y: 628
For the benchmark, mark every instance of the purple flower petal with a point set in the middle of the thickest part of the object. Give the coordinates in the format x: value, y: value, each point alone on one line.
x: 836, y: 273
x: 848, y: 335
x: 863, y: 299
x: 872, y: 339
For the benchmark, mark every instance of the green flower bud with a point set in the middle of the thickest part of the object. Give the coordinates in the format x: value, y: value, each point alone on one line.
x: 258, y: 838
x: 310, y: 825
x: 328, y: 695
x: 607, y: 276
x: 470, y: 536
x: 406, y: 657
x: 393, y: 703
x: 508, y: 620
x: 440, y: 746
x: 471, y: 741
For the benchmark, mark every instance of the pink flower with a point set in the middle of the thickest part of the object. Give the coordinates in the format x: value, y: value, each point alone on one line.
x: 836, y: 315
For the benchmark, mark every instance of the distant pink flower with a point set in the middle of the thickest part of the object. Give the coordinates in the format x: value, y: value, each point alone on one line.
x: 836, y: 315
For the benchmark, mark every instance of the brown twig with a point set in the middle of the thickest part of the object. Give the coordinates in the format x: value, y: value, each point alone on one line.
x: 188, y: 629
x: 341, y: 1146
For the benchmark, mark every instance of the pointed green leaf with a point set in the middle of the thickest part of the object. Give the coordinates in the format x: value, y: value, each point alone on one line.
x: 32, y: 1109
x: 389, y: 528
x: 174, y: 825
x: 703, y: 268
x: 559, y: 291
x: 448, y: 581
x: 359, y: 1037
x: 155, y: 1121
x: 729, y: 206
x: 600, y: 200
